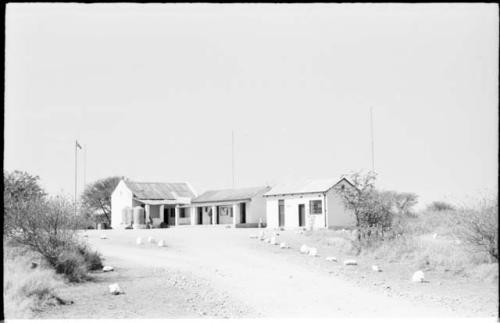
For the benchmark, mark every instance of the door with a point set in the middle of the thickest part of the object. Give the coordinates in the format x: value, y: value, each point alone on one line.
x: 243, y: 213
x: 165, y: 215
x: 281, y: 213
x: 302, y: 215
x: 200, y: 215
x: 171, y: 216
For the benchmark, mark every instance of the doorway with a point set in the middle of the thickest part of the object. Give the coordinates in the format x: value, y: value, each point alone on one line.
x: 281, y: 213
x: 243, y: 213
x: 302, y: 215
x: 200, y: 215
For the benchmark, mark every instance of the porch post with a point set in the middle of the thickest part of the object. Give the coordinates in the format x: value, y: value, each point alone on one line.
x: 214, y: 215
x: 148, y: 213
x: 162, y: 208
x: 192, y: 214
x: 236, y: 215
x: 176, y: 215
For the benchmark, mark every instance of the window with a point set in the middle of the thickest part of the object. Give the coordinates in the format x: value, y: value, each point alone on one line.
x: 315, y: 207
x: 182, y: 212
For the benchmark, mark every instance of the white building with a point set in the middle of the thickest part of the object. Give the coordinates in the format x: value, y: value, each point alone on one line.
x: 310, y: 203
x: 163, y: 202
x: 241, y: 207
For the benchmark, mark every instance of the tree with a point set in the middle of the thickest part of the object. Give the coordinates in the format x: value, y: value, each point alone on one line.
x: 401, y: 202
x: 372, y: 209
x: 20, y: 190
x: 357, y: 199
x: 47, y: 226
x: 96, y: 198
x: 478, y: 226
x: 440, y: 206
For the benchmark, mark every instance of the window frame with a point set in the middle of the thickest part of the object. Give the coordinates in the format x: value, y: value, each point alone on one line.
x: 313, y: 207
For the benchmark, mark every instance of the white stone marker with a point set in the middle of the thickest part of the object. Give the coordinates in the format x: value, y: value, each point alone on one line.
x: 161, y: 243
x: 107, y: 268
x: 313, y: 252
x: 304, y: 249
x: 283, y: 245
x: 114, y: 289
x: 151, y: 240
x: 331, y: 259
x: 139, y: 240
x: 350, y: 262
x: 418, y: 277
x: 376, y: 268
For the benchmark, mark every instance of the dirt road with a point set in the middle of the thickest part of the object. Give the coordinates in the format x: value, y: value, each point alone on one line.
x: 246, y: 277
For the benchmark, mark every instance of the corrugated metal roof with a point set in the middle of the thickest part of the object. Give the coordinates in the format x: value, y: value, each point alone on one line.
x: 156, y: 202
x: 230, y: 194
x: 305, y: 186
x: 160, y: 191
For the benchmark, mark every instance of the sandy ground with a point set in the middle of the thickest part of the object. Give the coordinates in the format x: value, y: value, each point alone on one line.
x: 221, y: 272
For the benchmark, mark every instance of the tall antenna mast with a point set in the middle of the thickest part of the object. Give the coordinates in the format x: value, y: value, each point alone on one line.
x: 373, y: 145
x: 232, y: 155
x: 76, y: 172
x: 84, y: 165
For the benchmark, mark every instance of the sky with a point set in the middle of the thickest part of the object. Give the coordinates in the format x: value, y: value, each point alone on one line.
x: 154, y: 92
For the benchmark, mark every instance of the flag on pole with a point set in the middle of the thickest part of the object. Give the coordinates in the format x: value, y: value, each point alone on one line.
x: 78, y: 145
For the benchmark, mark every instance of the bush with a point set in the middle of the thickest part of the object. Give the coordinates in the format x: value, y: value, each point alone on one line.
x: 47, y: 226
x: 72, y: 265
x: 20, y: 189
x: 479, y: 227
x: 440, y: 206
x: 76, y: 262
x: 92, y: 259
x: 25, y: 289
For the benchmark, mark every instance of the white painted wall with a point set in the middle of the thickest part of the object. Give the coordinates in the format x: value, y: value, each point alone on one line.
x: 334, y: 215
x: 272, y: 212
x: 120, y: 198
x: 292, y: 202
x: 256, y: 209
x: 338, y: 215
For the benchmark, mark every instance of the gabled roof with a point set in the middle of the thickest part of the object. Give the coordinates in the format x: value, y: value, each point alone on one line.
x: 160, y: 191
x: 236, y: 194
x: 306, y: 186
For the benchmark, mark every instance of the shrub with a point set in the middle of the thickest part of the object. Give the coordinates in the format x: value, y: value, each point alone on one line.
x: 25, y: 289
x: 72, y: 265
x: 92, y: 259
x: 479, y: 227
x: 20, y: 188
x: 440, y: 206
x: 370, y: 207
x: 46, y: 226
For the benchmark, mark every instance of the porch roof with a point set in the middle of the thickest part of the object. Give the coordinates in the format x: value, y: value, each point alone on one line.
x: 229, y: 195
x: 158, y: 202
x: 160, y: 191
x: 306, y: 186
